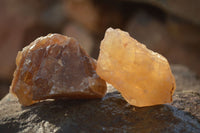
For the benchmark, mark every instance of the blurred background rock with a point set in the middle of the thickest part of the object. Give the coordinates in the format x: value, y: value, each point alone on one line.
x: 170, y: 27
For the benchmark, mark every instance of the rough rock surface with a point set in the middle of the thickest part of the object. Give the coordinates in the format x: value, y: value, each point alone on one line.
x: 143, y: 77
x: 55, y: 66
x: 187, y: 95
x: 110, y: 114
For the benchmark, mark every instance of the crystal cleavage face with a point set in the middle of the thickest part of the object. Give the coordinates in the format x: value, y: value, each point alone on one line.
x: 143, y: 77
x: 55, y: 66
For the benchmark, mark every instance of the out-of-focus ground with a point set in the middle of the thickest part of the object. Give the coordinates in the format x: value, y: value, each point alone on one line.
x: 170, y: 27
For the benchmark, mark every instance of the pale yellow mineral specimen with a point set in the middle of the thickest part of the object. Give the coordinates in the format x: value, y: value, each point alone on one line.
x: 143, y: 77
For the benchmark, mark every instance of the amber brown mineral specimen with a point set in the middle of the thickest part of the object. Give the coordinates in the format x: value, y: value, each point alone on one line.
x: 55, y: 66
x: 143, y: 77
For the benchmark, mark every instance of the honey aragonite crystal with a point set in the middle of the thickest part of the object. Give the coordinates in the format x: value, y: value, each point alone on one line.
x: 143, y: 77
x: 55, y: 66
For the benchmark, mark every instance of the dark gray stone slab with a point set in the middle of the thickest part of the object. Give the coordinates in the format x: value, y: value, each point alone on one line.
x: 110, y: 114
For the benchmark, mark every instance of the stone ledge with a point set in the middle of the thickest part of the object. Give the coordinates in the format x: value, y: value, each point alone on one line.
x: 110, y: 114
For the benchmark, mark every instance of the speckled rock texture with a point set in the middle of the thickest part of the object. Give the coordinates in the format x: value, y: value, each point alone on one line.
x: 110, y: 114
